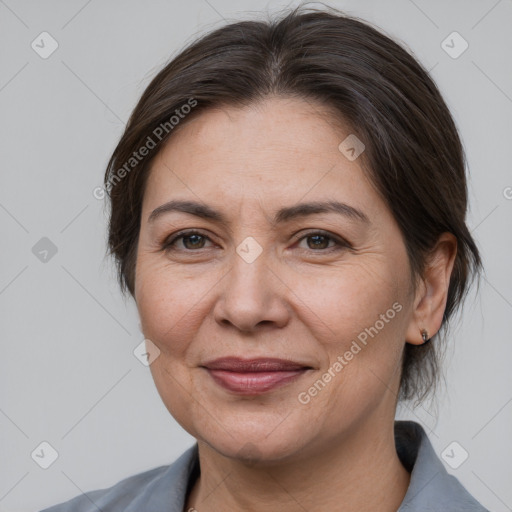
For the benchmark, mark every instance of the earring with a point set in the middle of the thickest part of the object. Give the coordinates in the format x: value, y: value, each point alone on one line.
x: 424, y: 335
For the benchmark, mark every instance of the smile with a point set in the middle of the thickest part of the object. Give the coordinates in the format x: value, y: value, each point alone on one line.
x: 254, y: 376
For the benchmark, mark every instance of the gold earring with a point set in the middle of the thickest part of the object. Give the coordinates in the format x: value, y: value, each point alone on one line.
x: 424, y: 335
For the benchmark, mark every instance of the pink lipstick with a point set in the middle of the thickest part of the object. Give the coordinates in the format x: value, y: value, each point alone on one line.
x: 254, y: 376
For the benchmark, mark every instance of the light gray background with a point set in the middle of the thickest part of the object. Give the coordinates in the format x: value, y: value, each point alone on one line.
x: 68, y: 373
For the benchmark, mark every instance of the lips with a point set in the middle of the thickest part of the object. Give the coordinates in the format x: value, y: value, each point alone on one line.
x: 254, y: 376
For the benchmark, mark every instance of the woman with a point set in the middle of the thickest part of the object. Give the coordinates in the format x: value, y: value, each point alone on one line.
x: 288, y: 210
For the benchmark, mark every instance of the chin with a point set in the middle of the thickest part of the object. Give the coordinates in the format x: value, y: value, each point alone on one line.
x: 257, y: 445
x: 259, y: 454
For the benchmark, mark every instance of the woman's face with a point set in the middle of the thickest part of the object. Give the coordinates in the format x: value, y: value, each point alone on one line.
x: 328, y: 292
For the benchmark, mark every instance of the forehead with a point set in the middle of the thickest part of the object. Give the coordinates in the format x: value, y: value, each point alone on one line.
x: 280, y: 149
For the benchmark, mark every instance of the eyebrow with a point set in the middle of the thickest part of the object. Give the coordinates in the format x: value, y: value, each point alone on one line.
x: 285, y: 214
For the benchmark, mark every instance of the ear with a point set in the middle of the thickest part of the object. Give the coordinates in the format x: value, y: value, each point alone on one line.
x: 432, y: 292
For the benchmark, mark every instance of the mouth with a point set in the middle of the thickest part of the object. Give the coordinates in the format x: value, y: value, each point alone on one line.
x: 254, y: 376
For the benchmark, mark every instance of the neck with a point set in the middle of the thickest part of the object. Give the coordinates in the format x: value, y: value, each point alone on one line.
x: 359, y: 472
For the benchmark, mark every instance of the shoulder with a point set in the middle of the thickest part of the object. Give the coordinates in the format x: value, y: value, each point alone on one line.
x: 156, y: 489
x: 432, y: 488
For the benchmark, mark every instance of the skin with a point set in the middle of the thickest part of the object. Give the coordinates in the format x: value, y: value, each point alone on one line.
x: 297, y: 300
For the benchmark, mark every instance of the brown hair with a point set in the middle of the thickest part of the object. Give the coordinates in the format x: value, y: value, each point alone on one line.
x: 413, y: 153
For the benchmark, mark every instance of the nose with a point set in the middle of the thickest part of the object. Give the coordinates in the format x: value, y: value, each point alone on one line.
x: 252, y: 296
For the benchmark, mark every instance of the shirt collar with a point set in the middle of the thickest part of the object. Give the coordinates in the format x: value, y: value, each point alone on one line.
x: 431, y: 487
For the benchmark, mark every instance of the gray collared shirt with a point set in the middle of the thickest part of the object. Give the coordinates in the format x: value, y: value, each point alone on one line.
x: 164, y: 489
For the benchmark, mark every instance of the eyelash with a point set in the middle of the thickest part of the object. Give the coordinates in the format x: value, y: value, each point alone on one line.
x: 168, y: 244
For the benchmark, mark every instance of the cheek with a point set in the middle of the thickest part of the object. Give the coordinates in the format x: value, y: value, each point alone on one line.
x: 350, y: 298
x: 359, y: 314
x: 169, y: 307
x: 170, y: 303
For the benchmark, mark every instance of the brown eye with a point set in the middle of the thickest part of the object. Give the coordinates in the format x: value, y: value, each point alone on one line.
x: 191, y: 240
x: 319, y: 242
x: 195, y: 241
